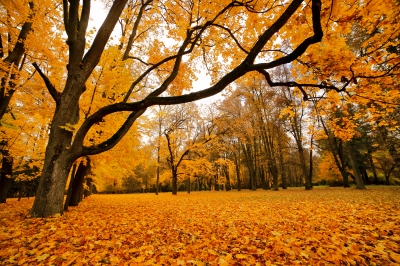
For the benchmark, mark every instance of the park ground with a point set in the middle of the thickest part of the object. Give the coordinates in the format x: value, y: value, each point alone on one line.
x: 325, y: 226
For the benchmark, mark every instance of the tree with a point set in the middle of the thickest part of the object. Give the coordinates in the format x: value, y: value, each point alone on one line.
x: 242, y: 33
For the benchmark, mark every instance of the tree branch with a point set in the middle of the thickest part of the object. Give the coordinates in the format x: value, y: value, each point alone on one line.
x: 92, y: 57
x: 134, y: 30
x: 138, y: 108
x: 50, y: 87
x: 233, y: 37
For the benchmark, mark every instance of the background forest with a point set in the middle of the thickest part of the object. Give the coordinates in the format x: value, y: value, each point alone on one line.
x: 310, y: 97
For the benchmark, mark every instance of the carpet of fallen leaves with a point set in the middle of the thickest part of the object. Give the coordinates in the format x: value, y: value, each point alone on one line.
x: 325, y: 226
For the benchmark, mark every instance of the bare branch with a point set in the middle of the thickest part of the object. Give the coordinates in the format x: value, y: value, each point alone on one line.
x: 233, y: 37
x: 50, y: 87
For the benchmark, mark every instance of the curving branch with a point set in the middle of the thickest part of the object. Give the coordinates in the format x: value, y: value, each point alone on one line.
x: 247, y: 65
x: 134, y: 30
x: 197, y: 31
x: 50, y: 87
x: 233, y: 37
x: 92, y: 57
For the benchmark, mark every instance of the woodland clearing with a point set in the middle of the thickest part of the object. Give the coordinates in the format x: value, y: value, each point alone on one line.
x: 325, y: 226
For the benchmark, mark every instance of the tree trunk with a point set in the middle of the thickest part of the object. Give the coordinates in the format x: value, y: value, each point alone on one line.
x: 228, y: 179
x: 89, y: 184
x: 310, y: 173
x: 5, y: 177
x: 364, y: 174
x: 78, y: 181
x: 371, y: 162
x: 237, y: 165
x: 387, y: 179
x: 216, y: 184
x: 58, y: 157
x: 21, y: 189
x: 262, y: 177
x: 69, y: 191
x: 354, y: 165
x: 174, y: 181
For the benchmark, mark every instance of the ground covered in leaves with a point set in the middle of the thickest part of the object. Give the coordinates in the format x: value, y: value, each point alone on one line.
x: 325, y: 226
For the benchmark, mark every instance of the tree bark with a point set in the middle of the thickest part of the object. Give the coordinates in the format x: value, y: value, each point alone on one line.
x: 5, y: 177
x: 371, y: 162
x: 69, y: 191
x: 354, y: 165
x: 89, y: 184
x: 237, y: 165
x: 189, y: 185
x: 78, y: 182
x: 216, y: 184
x: 174, y: 181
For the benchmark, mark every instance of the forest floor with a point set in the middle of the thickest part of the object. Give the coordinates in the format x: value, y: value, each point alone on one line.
x: 325, y: 226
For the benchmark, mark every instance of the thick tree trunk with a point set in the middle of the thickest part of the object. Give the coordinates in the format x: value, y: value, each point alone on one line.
x: 58, y: 161
x: 5, y: 177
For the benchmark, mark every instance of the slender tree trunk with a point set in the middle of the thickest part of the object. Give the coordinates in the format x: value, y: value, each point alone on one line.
x: 371, y: 162
x: 5, y: 177
x: 189, y: 185
x: 216, y: 184
x: 237, y: 165
x: 88, y: 191
x: 387, y: 179
x: 21, y: 189
x: 78, y: 181
x: 310, y: 174
x: 262, y: 177
x: 354, y: 165
x: 228, y: 179
x: 69, y: 192
x: 364, y: 175
x: 174, y: 181
x: 158, y: 171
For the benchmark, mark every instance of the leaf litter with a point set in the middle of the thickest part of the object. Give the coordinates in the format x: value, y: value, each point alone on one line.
x: 325, y: 226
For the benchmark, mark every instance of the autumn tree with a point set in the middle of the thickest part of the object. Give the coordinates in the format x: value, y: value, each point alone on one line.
x: 243, y: 34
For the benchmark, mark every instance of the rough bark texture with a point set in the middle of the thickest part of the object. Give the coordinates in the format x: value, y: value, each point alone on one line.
x: 59, y: 155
